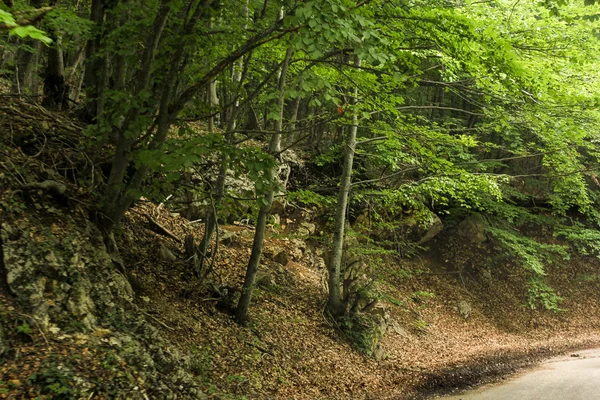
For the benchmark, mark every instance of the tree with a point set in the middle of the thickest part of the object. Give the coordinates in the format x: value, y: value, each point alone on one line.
x: 261, y: 222
x: 335, y: 305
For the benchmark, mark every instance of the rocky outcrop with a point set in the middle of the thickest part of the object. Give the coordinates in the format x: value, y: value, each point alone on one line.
x: 61, y: 275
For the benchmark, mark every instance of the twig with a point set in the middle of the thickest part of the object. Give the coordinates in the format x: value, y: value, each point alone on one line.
x: 162, y: 230
x: 43, y: 147
x: 163, y: 203
x: 159, y: 321
x: 260, y: 348
x: 210, y: 299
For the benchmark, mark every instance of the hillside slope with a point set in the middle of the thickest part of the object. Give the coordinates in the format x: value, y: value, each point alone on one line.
x: 76, y: 323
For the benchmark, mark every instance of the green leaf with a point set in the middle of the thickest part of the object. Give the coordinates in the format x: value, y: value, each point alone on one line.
x: 32, y: 32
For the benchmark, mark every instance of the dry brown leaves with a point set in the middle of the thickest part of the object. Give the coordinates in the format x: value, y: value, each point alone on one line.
x: 291, y: 351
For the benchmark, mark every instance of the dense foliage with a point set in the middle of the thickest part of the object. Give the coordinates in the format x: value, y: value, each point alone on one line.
x: 453, y: 106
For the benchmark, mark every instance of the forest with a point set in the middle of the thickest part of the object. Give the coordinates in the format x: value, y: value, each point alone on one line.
x: 388, y: 121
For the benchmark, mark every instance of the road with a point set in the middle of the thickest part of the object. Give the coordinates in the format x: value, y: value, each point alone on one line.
x: 572, y: 377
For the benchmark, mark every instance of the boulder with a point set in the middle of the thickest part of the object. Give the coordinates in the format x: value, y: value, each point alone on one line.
x: 398, y: 329
x: 379, y: 353
x: 228, y: 237
x: 282, y: 258
x: 410, y: 228
x: 278, y: 206
x: 65, y: 276
x: 472, y: 229
x: 298, y: 249
x: 419, y: 230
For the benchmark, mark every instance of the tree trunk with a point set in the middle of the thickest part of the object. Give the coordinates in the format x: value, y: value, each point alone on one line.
x: 335, y: 305
x: 261, y: 223
x: 239, y: 69
x: 118, y: 195
x: 26, y: 61
x: 56, y: 90
x: 94, y: 63
x: 211, y: 217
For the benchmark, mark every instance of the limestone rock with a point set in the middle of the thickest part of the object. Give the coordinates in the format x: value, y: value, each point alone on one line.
x: 228, y: 237
x: 434, y: 228
x: 72, y: 278
x: 398, y: 329
x: 271, y: 251
x: 264, y: 279
x: 379, y: 353
x: 278, y: 206
x: 420, y: 231
x: 306, y: 229
x: 298, y: 249
x: 464, y: 309
x: 319, y: 263
x: 282, y: 258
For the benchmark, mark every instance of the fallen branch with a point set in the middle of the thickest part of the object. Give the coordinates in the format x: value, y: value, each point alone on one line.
x: 50, y: 186
x: 161, y: 229
x: 261, y: 349
x: 159, y: 321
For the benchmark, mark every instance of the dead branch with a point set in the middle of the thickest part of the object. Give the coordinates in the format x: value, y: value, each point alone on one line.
x: 161, y: 229
x: 26, y: 18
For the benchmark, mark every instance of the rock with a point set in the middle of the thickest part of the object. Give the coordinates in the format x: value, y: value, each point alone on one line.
x: 264, y: 279
x: 379, y: 353
x: 166, y: 254
x: 398, y: 329
x: 472, y: 229
x: 319, y: 263
x: 298, y: 249
x: 410, y: 229
x: 434, y: 228
x: 228, y: 237
x: 282, y: 258
x: 419, y: 230
x: 278, y: 206
x: 485, y: 272
x: 306, y: 229
x: 102, y: 332
x: 72, y: 279
x: 380, y: 311
x: 464, y: 309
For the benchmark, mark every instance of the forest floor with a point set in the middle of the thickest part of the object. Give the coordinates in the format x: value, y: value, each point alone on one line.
x: 291, y: 350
